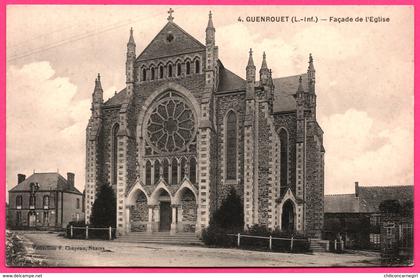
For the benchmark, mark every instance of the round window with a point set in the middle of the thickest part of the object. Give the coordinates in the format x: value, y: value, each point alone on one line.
x: 170, y: 124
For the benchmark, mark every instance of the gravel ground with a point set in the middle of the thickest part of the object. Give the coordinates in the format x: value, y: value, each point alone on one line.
x: 59, y: 251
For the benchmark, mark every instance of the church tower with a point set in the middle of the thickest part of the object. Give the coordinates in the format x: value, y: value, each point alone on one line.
x: 93, y: 132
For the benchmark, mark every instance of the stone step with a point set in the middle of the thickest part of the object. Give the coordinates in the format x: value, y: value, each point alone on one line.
x: 161, y: 238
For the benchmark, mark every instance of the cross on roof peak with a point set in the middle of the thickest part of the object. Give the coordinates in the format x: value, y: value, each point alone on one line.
x: 170, y: 17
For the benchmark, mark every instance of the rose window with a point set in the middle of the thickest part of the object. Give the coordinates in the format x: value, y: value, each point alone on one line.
x: 171, y: 124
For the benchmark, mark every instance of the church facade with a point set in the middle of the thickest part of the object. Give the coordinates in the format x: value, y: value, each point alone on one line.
x: 185, y: 130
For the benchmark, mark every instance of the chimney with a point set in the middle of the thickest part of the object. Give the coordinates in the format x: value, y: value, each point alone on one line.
x: 21, y: 178
x: 356, y: 189
x: 70, y: 179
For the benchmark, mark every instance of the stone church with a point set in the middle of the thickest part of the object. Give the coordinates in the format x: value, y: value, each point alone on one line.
x: 185, y: 130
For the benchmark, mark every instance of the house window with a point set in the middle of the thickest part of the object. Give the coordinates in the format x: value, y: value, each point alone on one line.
x: 161, y: 72
x: 178, y: 69
x: 406, y: 235
x: 188, y: 68
x: 19, y: 202
x: 157, y: 171
x: 375, y: 240
x: 170, y: 70
x: 197, y: 66
x: 32, y: 201
x: 46, y: 202
x: 114, y: 171
x: 174, y: 171
x: 231, y: 145
x: 77, y: 203
x: 18, y: 218
x: 46, y: 217
x: 144, y: 75
x: 166, y: 170
x: 148, y: 173
x: 193, y: 171
x: 374, y: 220
x: 284, y: 142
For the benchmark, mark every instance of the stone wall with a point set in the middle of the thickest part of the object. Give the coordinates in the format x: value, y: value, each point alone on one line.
x: 139, y: 214
x: 225, y: 103
x: 189, y: 211
x: 110, y: 118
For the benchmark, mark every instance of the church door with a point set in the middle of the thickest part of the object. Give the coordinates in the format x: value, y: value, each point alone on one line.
x: 287, y: 217
x: 165, y: 216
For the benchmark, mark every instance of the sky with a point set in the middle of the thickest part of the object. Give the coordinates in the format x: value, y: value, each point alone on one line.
x: 364, y: 78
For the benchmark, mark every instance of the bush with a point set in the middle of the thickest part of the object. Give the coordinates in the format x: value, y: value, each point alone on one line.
x: 104, y: 209
x: 77, y: 233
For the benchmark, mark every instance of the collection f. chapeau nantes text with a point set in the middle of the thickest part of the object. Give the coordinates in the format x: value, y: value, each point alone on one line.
x: 314, y: 19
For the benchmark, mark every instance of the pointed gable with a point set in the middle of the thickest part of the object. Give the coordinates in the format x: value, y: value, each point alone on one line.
x: 170, y: 41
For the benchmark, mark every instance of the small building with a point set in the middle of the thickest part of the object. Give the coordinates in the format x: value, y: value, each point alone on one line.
x: 44, y: 201
x: 357, y: 217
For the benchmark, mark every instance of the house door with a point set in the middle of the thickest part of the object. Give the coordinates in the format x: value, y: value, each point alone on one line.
x: 32, y: 219
x: 165, y: 216
x: 287, y: 218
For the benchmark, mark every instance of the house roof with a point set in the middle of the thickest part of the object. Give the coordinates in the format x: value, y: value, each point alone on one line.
x: 116, y: 99
x: 228, y: 81
x: 181, y: 42
x: 341, y: 203
x: 368, y: 200
x: 46, y: 181
x: 372, y: 196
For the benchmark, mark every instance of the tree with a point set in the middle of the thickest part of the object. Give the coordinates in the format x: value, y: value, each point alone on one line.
x: 104, y: 209
x: 230, y: 215
x: 390, y: 206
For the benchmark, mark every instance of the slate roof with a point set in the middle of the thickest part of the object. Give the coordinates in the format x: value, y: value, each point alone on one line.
x: 46, y: 181
x: 372, y: 196
x: 182, y: 43
x: 341, y: 203
x: 284, y: 89
x: 228, y: 81
x: 116, y: 99
x: 368, y: 200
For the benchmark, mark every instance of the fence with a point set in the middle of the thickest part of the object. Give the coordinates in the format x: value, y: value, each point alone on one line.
x: 86, y: 228
x: 270, y: 240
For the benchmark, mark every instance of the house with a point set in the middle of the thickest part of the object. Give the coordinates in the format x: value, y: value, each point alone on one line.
x: 44, y: 201
x: 358, y: 217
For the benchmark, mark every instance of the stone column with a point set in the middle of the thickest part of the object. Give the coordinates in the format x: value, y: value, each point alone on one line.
x: 174, y: 222
x: 150, y: 222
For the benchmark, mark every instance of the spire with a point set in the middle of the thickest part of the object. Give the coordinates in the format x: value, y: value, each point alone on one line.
x: 98, y: 85
x: 250, y: 59
x: 210, y: 23
x: 300, y: 88
x: 264, y: 62
x: 210, y: 32
x: 311, y: 75
x: 131, y: 39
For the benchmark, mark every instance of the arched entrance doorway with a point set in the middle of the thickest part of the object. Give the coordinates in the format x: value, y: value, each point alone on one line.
x: 165, y: 211
x: 288, y: 217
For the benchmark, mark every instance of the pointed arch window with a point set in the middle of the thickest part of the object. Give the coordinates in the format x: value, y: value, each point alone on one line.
x: 32, y: 202
x: 148, y: 173
x: 231, y: 146
x: 284, y: 145
x: 188, y: 67
x: 178, y: 69
x: 157, y: 171
x: 170, y: 71
x: 152, y: 71
x: 114, y: 169
x: 144, y: 75
x: 193, y: 170
x: 161, y: 72
x: 174, y: 165
x: 166, y: 170
x: 183, y: 165
x: 197, y: 66
x: 46, y: 201
x: 19, y: 201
